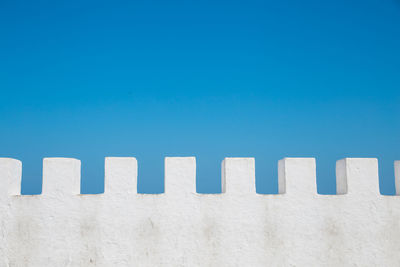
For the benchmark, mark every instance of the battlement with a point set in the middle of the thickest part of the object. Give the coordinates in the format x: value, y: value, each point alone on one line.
x: 238, y: 227
x: 62, y: 175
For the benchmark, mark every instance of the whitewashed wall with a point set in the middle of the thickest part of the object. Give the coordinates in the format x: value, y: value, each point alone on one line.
x: 298, y: 227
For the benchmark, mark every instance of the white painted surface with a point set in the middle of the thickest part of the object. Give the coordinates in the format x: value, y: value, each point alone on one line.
x: 10, y: 177
x: 120, y: 175
x: 359, y: 227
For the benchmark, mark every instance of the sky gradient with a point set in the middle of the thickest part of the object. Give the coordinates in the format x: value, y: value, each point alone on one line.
x: 211, y: 79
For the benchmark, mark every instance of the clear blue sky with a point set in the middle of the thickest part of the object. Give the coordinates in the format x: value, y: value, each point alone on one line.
x: 267, y: 79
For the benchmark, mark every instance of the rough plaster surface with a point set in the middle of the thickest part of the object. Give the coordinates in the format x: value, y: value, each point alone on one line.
x: 298, y: 227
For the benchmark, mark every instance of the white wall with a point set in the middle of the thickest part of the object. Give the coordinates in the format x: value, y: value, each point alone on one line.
x: 357, y: 227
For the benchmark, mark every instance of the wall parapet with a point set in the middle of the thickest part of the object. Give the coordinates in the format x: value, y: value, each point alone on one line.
x: 63, y: 175
x: 238, y: 227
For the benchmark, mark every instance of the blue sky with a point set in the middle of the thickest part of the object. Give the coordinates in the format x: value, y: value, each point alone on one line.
x: 267, y: 79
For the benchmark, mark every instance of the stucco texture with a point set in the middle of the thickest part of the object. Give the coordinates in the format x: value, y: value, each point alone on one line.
x: 298, y: 227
